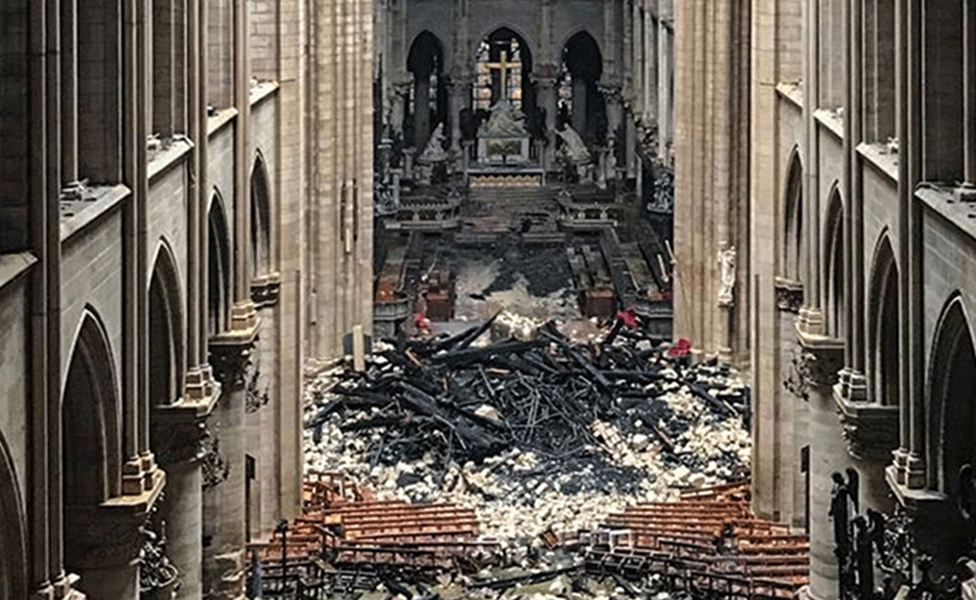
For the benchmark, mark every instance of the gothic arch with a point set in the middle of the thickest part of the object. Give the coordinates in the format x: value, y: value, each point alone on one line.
x: 218, y: 267
x: 793, y: 219
x: 260, y: 219
x: 951, y: 397
x: 499, y: 25
x: 577, y: 31
x: 425, y: 61
x: 90, y: 409
x: 503, y: 38
x: 884, y: 330
x: 833, y: 265
x: 582, y: 67
x: 13, y: 540
x: 165, y: 330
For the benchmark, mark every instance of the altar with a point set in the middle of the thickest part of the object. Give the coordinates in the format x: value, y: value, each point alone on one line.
x: 503, y: 139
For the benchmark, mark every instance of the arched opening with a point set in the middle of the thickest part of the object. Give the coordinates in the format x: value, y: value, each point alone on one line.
x: 581, y: 105
x: 879, y: 76
x: 793, y: 228
x: 952, y: 395
x: 98, y: 94
x: 942, y: 90
x: 504, y: 68
x: 166, y: 60
x: 16, y: 194
x: 218, y: 273
x: 13, y: 543
x: 884, y: 356
x: 165, y: 348
x: 429, y: 93
x: 91, y: 444
x: 260, y: 220
x: 834, y: 267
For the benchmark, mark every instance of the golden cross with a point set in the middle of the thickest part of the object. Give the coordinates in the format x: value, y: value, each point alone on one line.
x: 504, y: 65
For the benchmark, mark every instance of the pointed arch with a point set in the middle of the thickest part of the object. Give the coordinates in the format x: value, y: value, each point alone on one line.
x: 218, y: 267
x: 884, y: 327
x: 90, y: 410
x: 793, y: 218
x: 581, y: 103
x: 13, y: 535
x: 425, y: 61
x: 833, y: 265
x: 166, y: 361
x: 951, y: 397
x: 260, y: 218
x: 486, y: 91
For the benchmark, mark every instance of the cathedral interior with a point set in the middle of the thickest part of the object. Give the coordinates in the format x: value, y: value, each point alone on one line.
x: 488, y: 298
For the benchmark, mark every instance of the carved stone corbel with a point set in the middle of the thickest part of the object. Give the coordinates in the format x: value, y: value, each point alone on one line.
x: 230, y: 354
x: 871, y: 430
x: 789, y: 295
x: 264, y: 289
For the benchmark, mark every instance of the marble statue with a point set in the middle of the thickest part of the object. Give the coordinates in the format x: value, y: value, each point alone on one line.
x: 574, y: 146
x: 504, y: 122
x: 726, y: 260
x: 435, y: 152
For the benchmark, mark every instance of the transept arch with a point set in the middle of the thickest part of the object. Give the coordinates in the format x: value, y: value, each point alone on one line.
x: 884, y: 326
x: 260, y: 219
x: 166, y: 360
x: 425, y: 61
x: 218, y: 267
x: 13, y: 539
x: 951, y: 397
x: 834, y: 279
x: 793, y: 219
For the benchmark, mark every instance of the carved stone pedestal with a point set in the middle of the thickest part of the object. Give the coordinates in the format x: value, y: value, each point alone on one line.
x: 224, y: 504
x: 179, y: 436
x: 820, y: 361
x: 103, y: 542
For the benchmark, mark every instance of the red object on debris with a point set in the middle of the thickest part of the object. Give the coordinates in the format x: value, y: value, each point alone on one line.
x: 628, y: 318
x: 681, y: 349
x: 421, y: 322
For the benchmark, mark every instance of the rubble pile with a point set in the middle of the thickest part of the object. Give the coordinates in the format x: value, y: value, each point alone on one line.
x: 533, y: 433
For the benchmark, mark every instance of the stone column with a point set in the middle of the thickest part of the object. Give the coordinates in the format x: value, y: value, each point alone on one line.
x: 663, y: 88
x: 178, y: 433
x: 909, y: 459
x: 822, y: 358
x: 615, y: 119
x: 854, y: 385
x: 579, y: 106
x: 811, y: 318
x: 547, y: 100
x: 224, y: 503
x: 421, y: 111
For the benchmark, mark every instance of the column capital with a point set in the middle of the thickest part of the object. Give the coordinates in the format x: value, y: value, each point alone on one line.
x: 820, y: 360
x: 230, y: 352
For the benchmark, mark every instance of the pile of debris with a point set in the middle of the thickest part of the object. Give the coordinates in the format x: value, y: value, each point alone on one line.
x: 531, y: 433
